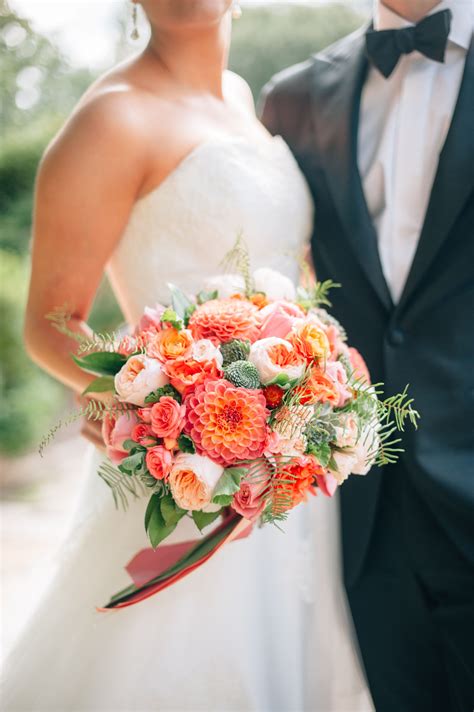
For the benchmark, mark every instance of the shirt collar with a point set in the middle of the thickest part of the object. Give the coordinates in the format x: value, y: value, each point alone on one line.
x: 461, y: 26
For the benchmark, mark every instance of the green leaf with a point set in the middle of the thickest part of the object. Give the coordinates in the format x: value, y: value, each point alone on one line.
x: 322, y: 452
x: 185, y: 444
x: 203, y: 519
x: 204, y: 296
x: 156, y: 527
x: 225, y: 500
x: 167, y: 390
x: 189, y: 311
x: 281, y: 380
x: 171, y: 317
x: 179, y: 301
x: 228, y: 484
x: 100, y: 385
x: 132, y: 444
x: 132, y: 463
x: 170, y: 511
x: 104, y: 363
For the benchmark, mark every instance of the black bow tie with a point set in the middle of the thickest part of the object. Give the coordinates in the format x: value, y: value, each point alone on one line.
x: 430, y: 37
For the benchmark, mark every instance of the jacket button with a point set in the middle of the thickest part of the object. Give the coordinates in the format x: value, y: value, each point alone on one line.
x: 396, y: 337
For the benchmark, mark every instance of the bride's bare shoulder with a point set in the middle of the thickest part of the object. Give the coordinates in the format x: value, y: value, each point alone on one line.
x: 237, y: 88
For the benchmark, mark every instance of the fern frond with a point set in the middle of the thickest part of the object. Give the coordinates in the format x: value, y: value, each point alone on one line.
x: 321, y: 292
x: 122, y: 486
x: 60, y: 318
x: 238, y: 260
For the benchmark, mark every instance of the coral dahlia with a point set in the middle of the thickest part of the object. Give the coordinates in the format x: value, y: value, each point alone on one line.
x: 225, y: 319
x: 226, y: 423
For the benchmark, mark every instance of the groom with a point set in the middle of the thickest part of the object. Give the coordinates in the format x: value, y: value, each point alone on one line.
x: 382, y: 125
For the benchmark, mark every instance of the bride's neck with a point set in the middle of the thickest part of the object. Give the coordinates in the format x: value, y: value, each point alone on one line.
x: 196, y: 59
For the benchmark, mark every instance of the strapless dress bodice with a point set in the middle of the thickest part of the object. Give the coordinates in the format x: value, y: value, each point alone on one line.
x: 181, y: 231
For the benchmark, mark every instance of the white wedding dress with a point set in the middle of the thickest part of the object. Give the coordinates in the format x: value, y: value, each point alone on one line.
x: 261, y: 627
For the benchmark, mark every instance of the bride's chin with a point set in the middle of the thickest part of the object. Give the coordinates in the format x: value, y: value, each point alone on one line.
x: 186, y: 13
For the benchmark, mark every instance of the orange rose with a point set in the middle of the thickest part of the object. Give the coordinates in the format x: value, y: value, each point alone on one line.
x: 318, y: 388
x: 310, y: 340
x: 184, y: 373
x: 169, y: 344
x: 259, y: 300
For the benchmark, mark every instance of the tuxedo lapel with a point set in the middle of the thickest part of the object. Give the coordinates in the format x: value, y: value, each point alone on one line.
x: 453, y: 182
x: 336, y: 93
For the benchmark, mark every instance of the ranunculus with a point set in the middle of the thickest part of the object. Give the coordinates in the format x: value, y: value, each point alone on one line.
x: 170, y: 344
x: 226, y: 285
x: 309, y: 339
x: 274, y: 284
x: 151, y: 318
x: 139, y: 377
x: 278, y: 319
x: 273, y: 357
x: 193, y: 479
x: 143, y: 434
x: 248, y: 501
x: 116, y: 429
x: 167, y: 417
x: 318, y: 388
x: 337, y: 373
x: 158, y: 462
x: 186, y: 373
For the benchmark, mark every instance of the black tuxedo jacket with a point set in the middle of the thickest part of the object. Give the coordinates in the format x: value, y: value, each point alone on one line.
x: 426, y: 340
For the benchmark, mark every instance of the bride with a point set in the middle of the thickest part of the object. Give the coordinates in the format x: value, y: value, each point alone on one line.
x: 158, y: 169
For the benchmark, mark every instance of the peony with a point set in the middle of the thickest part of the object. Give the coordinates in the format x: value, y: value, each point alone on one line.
x: 274, y: 357
x: 224, y: 320
x: 318, y: 388
x: 193, y: 479
x: 225, y: 422
x: 158, y: 462
x: 274, y: 284
x: 167, y: 418
x: 278, y: 319
x: 226, y: 285
x: 309, y: 339
x: 337, y: 373
x: 116, y: 429
x: 248, y: 502
x: 139, y: 377
x: 169, y: 344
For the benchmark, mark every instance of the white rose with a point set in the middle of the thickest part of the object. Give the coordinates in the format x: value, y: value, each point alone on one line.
x: 193, y: 479
x: 347, y: 432
x: 345, y: 463
x: 262, y: 355
x: 365, y: 451
x: 274, y: 284
x: 205, y: 350
x: 226, y: 285
x: 139, y: 377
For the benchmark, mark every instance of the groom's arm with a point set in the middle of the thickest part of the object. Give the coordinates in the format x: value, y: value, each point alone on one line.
x: 267, y: 108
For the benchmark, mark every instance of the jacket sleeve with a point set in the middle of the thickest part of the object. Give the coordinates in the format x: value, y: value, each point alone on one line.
x: 267, y: 108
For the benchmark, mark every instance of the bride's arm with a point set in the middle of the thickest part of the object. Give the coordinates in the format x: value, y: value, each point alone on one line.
x: 87, y: 183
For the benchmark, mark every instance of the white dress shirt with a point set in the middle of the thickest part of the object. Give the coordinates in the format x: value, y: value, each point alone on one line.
x: 403, y: 124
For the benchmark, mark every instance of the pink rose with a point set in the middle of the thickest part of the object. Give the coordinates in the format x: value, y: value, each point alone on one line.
x: 359, y: 366
x: 278, y: 319
x: 327, y: 483
x: 167, y: 418
x: 337, y: 347
x: 145, y: 414
x: 159, y: 461
x: 143, y: 434
x: 128, y: 345
x: 116, y: 429
x: 337, y: 373
x: 151, y: 318
x: 248, y: 501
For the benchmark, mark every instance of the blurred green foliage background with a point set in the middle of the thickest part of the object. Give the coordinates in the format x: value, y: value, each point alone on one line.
x: 38, y: 90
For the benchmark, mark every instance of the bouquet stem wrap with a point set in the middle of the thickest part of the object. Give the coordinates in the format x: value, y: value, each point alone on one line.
x: 153, y: 570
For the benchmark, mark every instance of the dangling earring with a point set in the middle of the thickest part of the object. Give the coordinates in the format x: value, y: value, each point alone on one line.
x: 135, y: 35
x: 236, y: 11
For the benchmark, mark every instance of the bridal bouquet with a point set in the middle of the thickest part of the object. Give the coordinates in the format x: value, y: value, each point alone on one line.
x: 237, y: 403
